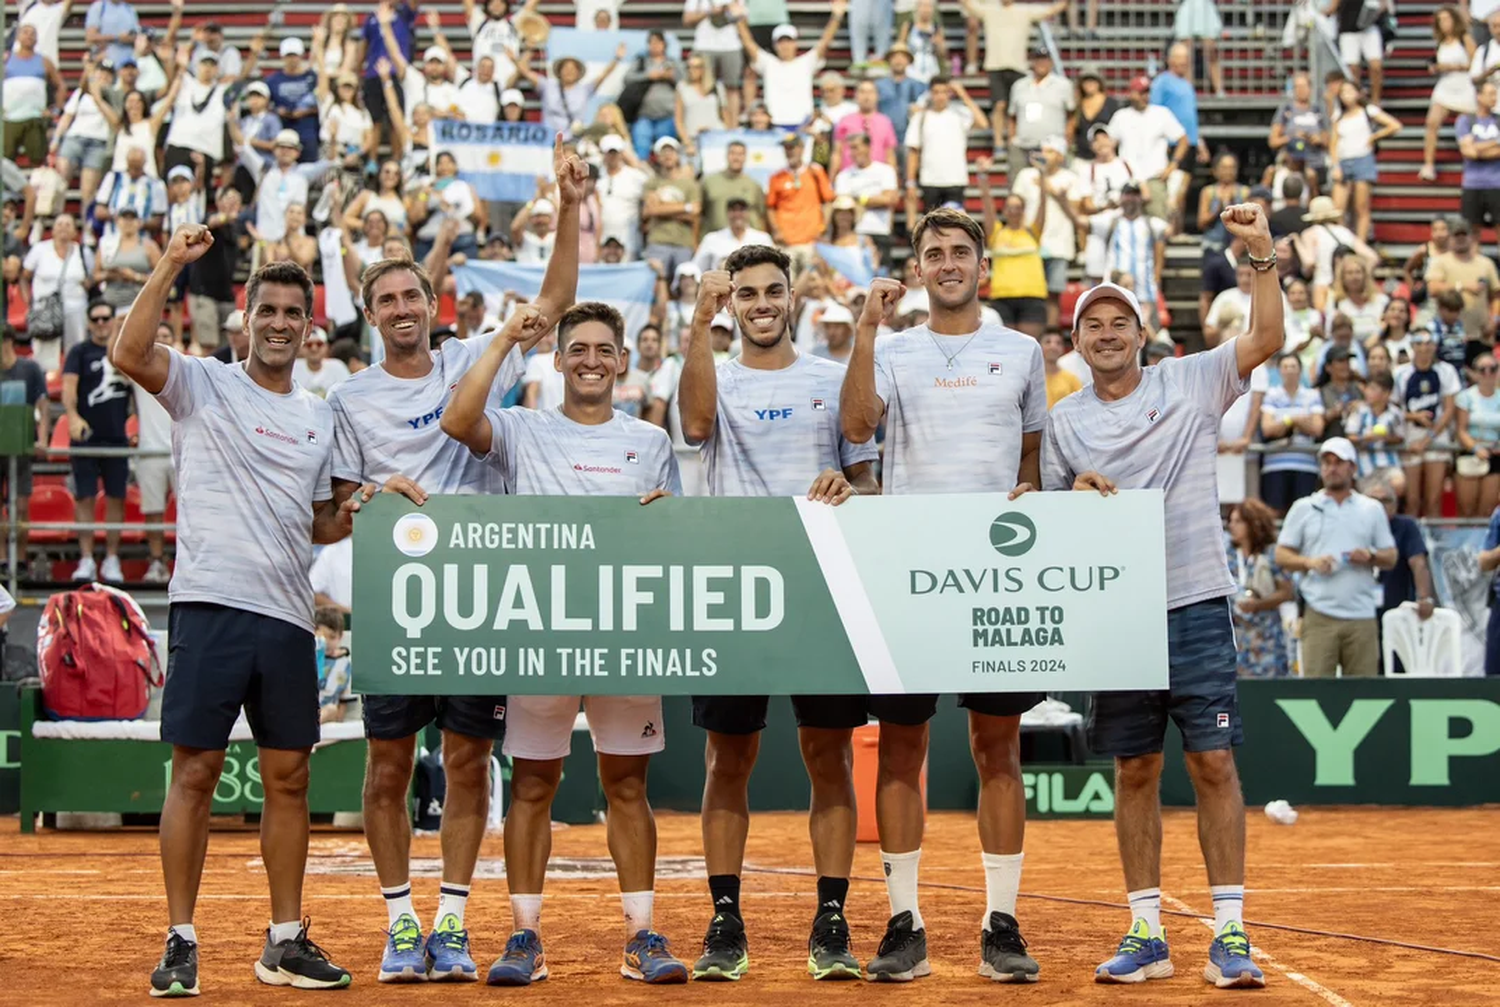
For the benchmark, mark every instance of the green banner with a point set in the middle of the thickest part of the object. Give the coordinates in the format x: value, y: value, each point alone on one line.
x: 1416, y: 741
x: 480, y: 595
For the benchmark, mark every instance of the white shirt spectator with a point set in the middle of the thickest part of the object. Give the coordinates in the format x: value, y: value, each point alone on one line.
x: 1354, y: 128
x: 1327, y: 238
x: 496, y: 38
x: 717, y: 246
x: 1367, y: 319
x: 1101, y: 182
x: 276, y: 190
x: 47, y: 19
x: 332, y: 572
x: 480, y: 102
x: 620, y: 205
x: 834, y: 114
x: 534, y: 250
x: 541, y: 371
x: 788, y: 86
x: 344, y: 125
x: 198, y: 119
x: 418, y: 90
x: 88, y: 122
x: 706, y: 36
x: 455, y: 199
x: 1145, y: 136
x: 943, y: 138
x: 1059, y: 236
x: 323, y: 380
x: 878, y: 177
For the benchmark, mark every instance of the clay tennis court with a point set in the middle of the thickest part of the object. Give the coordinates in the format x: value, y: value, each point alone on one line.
x: 91, y: 903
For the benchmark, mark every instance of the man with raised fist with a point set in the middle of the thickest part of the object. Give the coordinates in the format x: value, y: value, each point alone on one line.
x: 1158, y: 428
x: 964, y: 405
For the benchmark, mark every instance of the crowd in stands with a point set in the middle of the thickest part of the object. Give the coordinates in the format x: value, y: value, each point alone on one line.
x: 318, y: 144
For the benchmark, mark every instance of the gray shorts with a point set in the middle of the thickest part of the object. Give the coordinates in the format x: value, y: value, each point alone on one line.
x: 85, y: 152
x: 1057, y: 275
x: 727, y: 67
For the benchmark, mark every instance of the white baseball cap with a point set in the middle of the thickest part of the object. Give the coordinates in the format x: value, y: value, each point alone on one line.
x: 288, y: 138
x: 511, y: 96
x: 1339, y: 447
x: 723, y: 320
x: 292, y: 47
x: 664, y: 143
x: 181, y: 171
x: 435, y: 52
x: 611, y: 142
x: 1107, y: 291
x: 317, y: 335
x: 837, y: 314
x: 258, y: 87
x: 784, y: 31
x: 543, y: 207
x: 688, y: 269
x: 235, y: 322
x: 1055, y: 143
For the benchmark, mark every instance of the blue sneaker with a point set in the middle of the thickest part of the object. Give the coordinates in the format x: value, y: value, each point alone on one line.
x: 1229, y: 965
x: 448, y: 953
x: 647, y: 959
x: 1139, y: 958
x: 523, y: 962
x: 404, y: 961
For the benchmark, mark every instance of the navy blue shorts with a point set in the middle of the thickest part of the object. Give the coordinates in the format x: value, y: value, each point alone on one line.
x: 913, y: 711
x: 89, y: 472
x: 391, y: 718
x: 747, y: 714
x: 1200, y: 696
x: 219, y: 659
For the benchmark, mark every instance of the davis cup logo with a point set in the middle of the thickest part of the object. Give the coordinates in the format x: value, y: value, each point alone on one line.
x: 415, y: 535
x: 1012, y: 534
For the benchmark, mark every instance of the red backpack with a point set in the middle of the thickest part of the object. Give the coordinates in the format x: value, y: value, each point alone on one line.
x: 97, y: 657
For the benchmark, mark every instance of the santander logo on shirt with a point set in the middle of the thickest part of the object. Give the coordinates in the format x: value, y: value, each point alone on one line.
x: 613, y: 470
x: 277, y: 435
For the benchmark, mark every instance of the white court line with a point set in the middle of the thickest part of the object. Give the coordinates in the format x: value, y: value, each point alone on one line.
x: 1306, y: 983
x: 371, y: 898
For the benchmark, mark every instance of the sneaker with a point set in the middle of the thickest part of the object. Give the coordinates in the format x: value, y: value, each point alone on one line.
x: 404, y: 961
x: 902, y: 955
x: 523, y: 962
x: 86, y: 571
x: 157, y: 573
x: 828, y: 954
x: 1229, y: 965
x: 110, y: 570
x: 448, y: 953
x: 1004, y: 952
x: 177, y: 973
x: 299, y: 963
x: 726, y: 953
x: 1139, y: 958
x: 648, y: 959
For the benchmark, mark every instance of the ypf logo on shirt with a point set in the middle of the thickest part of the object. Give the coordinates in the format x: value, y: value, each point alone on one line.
x: 415, y: 534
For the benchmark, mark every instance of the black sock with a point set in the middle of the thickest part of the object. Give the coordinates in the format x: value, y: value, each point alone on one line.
x: 831, y: 895
x: 725, y: 889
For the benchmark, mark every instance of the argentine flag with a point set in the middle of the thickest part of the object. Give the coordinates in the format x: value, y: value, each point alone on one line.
x: 764, y: 156
x: 853, y: 264
x: 629, y: 287
x: 500, y: 160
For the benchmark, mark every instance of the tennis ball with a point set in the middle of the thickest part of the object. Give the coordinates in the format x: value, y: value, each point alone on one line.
x: 1380, y: 430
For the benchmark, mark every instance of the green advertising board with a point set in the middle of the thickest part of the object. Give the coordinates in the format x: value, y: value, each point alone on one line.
x: 480, y: 595
x: 1422, y: 741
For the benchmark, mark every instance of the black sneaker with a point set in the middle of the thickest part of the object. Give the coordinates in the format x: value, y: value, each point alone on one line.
x: 177, y: 973
x: 299, y: 963
x: 828, y: 954
x: 902, y: 955
x: 1004, y: 951
x: 726, y: 953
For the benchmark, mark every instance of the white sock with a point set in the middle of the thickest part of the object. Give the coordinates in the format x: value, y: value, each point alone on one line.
x: 1229, y: 906
x: 901, y: 884
x: 451, y: 901
x: 1146, y: 905
x: 526, y: 911
x: 285, y: 931
x: 638, y: 907
x: 398, y: 904
x: 1002, y: 882
x: 186, y: 931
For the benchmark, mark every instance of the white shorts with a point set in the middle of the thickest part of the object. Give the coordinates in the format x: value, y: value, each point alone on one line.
x: 1366, y: 45
x: 154, y: 476
x: 541, y: 727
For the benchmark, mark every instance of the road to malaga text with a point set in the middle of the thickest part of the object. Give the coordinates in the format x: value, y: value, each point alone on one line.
x: 693, y: 598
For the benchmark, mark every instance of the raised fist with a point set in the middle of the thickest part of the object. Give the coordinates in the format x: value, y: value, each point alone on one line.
x: 714, y: 290
x: 885, y: 294
x: 189, y: 243
x: 527, y: 322
x: 1247, y: 222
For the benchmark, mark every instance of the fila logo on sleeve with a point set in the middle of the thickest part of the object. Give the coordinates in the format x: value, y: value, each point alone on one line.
x: 632, y: 458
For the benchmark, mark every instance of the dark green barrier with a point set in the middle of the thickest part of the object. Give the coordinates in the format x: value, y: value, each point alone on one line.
x: 10, y: 751
x: 1363, y: 741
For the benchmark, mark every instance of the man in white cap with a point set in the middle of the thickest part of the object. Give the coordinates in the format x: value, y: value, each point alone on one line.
x: 236, y: 344
x: 281, y: 184
x: 210, y: 38
x: 512, y: 104
x: 837, y: 344
x: 717, y: 246
x: 294, y: 95
x: 1338, y: 540
x: 671, y: 209
x: 198, y: 117
x: 428, y: 84
x: 482, y: 96
x: 1060, y: 228
x: 533, y: 233
x: 620, y: 189
x: 1157, y: 427
x: 787, y: 77
x: 259, y: 125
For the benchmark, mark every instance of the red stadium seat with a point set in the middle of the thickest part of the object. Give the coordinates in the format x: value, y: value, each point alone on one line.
x: 51, y: 503
x: 60, y: 437
x: 1070, y: 295
x: 133, y: 427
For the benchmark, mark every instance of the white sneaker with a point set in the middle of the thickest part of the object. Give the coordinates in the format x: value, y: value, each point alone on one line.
x: 110, y: 571
x: 86, y: 570
x: 157, y: 573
